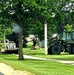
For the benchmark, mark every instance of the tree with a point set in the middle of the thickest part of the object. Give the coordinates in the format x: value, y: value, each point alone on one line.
x: 68, y: 28
x: 4, y: 29
x: 28, y: 12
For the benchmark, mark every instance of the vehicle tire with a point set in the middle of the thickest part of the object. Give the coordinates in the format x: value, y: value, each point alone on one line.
x: 72, y: 50
x: 50, y: 50
x: 56, y: 49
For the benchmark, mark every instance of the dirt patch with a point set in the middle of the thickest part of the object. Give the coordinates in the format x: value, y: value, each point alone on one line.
x: 8, y: 70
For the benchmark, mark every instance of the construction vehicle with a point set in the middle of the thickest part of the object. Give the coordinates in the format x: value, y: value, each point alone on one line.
x: 10, y: 47
x: 63, y: 44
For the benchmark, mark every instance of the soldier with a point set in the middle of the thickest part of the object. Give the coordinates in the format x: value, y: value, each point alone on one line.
x: 35, y: 42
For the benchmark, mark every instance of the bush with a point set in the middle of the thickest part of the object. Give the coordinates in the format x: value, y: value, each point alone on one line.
x: 2, y: 46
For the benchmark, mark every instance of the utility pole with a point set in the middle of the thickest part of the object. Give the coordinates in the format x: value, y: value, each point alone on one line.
x: 45, y: 34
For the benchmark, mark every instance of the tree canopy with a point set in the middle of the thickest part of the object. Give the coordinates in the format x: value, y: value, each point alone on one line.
x: 33, y: 13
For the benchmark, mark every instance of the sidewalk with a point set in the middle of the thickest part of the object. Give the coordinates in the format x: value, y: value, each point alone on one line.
x: 55, y: 60
x: 8, y: 70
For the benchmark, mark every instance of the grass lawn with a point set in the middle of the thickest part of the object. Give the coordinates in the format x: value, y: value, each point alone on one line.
x: 38, y: 67
x: 40, y: 53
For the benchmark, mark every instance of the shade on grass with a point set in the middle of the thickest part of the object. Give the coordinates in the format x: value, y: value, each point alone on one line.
x: 38, y: 67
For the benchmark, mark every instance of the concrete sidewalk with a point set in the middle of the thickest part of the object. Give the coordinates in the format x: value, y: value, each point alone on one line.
x: 64, y: 61
x: 55, y: 60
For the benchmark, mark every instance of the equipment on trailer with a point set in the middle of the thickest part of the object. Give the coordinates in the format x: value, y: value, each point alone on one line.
x: 64, y: 43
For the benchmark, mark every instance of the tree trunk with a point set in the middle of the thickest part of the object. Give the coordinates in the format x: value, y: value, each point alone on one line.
x: 20, y: 43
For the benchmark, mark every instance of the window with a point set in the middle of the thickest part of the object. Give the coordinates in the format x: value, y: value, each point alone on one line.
x: 68, y: 36
x: 72, y: 35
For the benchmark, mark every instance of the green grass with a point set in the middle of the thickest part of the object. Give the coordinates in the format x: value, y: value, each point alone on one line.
x: 37, y: 67
x: 40, y: 53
